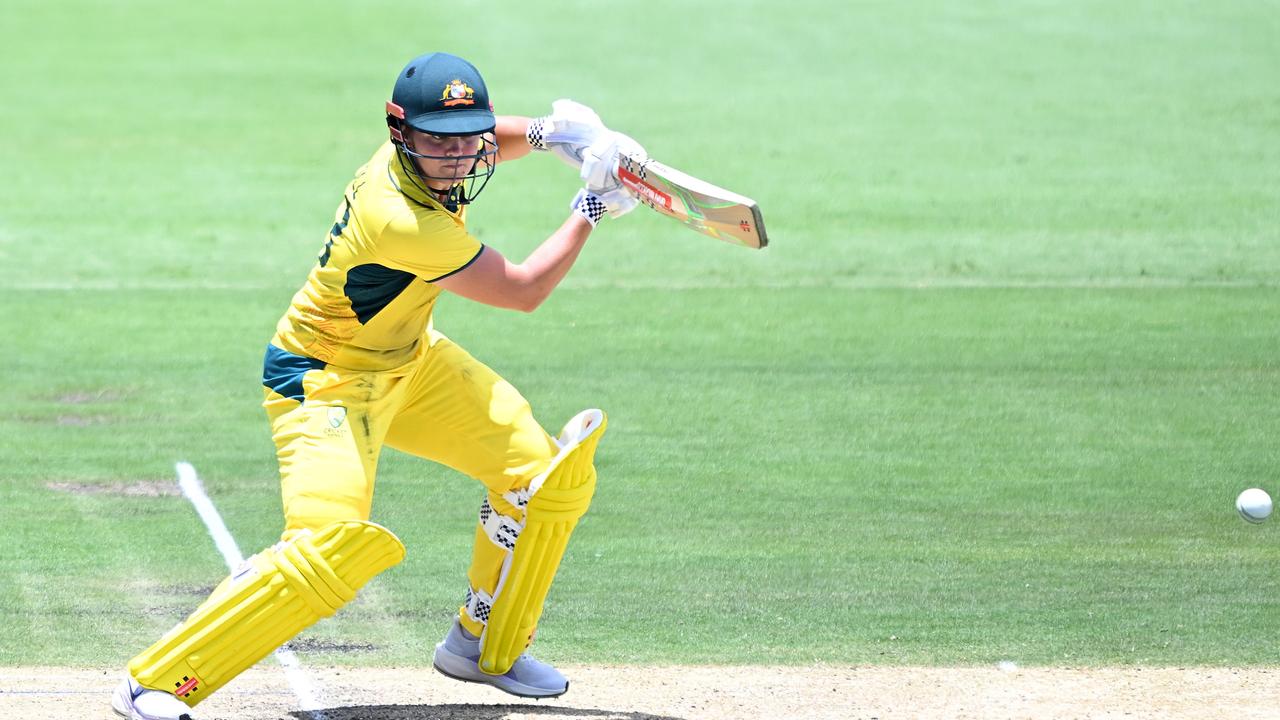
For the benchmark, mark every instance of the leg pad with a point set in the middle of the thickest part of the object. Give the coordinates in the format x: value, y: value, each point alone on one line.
x: 272, y: 597
x: 558, y: 498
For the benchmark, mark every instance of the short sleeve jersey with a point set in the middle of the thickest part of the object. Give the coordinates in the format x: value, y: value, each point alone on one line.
x: 368, y: 300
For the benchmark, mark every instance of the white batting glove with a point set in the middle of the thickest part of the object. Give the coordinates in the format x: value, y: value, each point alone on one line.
x: 589, y: 205
x: 593, y: 207
x: 566, y: 132
x: 600, y: 171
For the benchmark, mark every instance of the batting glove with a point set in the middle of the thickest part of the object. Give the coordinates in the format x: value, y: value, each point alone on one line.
x: 600, y: 171
x: 589, y: 206
x: 566, y: 132
x: 593, y: 207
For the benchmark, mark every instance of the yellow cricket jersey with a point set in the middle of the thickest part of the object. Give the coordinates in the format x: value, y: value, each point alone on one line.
x: 369, y: 298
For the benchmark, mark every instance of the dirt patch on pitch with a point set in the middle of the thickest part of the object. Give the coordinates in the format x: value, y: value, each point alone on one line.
x: 308, y: 645
x: 689, y: 693
x: 67, y: 420
x: 82, y: 420
x: 141, y: 488
x: 90, y: 396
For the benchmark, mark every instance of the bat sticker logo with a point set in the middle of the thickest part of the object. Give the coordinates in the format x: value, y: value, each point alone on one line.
x: 457, y: 93
x: 648, y: 194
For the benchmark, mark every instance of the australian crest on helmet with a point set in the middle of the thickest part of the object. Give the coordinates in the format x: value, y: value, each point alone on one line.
x: 458, y: 92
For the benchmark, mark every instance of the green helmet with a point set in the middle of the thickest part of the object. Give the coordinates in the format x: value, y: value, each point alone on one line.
x: 443, y: 95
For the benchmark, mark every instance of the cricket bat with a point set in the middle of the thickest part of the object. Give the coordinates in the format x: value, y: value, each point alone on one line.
x: 709, y: 209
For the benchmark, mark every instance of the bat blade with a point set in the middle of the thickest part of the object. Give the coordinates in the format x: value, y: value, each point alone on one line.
x: 707, y: 208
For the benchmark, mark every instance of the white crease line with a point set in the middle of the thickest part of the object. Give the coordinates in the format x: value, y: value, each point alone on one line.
x: 189, y: 482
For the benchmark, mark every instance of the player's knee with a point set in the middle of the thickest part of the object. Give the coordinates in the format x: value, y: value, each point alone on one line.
x: 302, y: 518
x: 316, y: 506
x: 529, y: 455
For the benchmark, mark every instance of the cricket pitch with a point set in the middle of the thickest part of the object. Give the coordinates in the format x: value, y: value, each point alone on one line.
x: 693, y: 693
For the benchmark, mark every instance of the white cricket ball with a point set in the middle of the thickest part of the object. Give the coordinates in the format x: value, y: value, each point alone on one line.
x: 1254, y: 505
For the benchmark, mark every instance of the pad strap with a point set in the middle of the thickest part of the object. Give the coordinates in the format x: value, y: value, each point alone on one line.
x: 502, y: 530
x: 478, y: 605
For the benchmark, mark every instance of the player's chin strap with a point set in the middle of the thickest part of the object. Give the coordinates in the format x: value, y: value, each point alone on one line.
x: 534, y: 544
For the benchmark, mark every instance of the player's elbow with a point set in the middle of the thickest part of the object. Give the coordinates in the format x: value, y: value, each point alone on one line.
x: 529, y: 290
x: 523, y: 305
x: 529, y: 300
x: 515, y: 298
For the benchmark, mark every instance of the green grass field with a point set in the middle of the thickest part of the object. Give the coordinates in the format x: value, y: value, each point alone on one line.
x: 989, y: 395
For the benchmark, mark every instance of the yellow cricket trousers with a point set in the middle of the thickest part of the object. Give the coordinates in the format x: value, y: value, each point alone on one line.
x: 330, y: 424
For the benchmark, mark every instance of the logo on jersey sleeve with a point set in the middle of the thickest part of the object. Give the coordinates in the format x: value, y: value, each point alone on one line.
x: 458, y: 93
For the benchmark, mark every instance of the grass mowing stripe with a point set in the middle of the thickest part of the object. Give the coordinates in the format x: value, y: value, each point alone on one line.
x: 968, y: 458
x: 957, y: 469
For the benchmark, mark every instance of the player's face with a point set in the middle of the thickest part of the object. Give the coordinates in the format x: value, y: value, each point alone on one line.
x: 450, y: 158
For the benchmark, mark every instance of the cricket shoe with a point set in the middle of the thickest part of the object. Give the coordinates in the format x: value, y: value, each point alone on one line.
x: 138, y: 703
x: 459, y: 658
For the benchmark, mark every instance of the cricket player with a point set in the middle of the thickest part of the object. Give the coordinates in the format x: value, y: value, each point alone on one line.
x: 355, y: 365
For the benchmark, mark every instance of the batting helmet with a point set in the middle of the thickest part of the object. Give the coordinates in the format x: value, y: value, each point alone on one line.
x: 443, y: 95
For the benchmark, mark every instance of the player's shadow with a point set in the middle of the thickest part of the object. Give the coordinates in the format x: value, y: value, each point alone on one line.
x: 466, y: 712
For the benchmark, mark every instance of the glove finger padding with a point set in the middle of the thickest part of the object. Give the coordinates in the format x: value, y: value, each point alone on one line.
x: 628, y: 146
x: 619, y: 202
x: 600, y: 165
x: 600, y: 160
x: 567, y: 131
x: 573, y: 115
x: 600, y: 172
